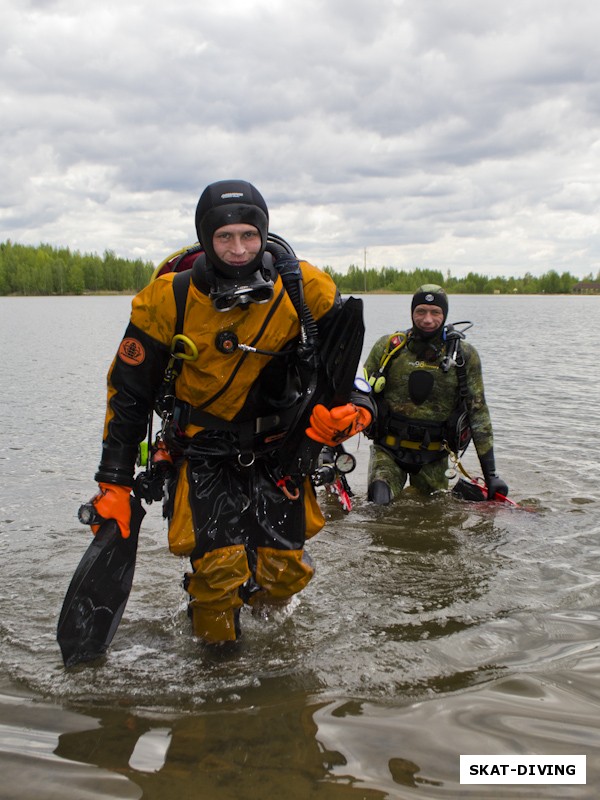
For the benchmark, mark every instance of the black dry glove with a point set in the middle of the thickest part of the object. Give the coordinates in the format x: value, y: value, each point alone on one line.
x: 494, y: 483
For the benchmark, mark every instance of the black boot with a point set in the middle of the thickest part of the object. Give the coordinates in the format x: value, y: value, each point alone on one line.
x: 380, y: 493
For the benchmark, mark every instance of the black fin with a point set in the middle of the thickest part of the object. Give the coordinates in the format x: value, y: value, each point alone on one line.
x: 99, y: 590
x: 468, y: 490
x: 340, y: 353
x: 339, y: 360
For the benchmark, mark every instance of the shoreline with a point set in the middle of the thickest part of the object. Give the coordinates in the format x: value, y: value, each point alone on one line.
x: 360, y: 292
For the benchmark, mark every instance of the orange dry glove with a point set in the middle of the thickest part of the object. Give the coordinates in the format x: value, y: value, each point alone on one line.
x: 334, y: 426
x: 112, y: 502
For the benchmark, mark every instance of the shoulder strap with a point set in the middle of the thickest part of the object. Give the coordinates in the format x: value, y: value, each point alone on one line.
x: 461, y: 372
x: 181, y: 285
x: 395, y: 343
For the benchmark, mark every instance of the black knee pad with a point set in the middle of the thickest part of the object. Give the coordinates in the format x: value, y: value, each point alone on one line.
x: 380, y: 493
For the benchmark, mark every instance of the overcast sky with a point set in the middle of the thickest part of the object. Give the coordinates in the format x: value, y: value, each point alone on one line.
x: 456, y: 134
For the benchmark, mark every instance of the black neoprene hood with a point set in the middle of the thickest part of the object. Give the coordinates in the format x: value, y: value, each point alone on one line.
x: 226, y: 203
x: 432, y: 295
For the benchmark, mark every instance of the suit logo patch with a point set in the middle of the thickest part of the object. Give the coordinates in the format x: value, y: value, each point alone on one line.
x: 132, y: 352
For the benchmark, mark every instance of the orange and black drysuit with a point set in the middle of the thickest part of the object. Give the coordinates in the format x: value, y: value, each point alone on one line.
x: 244, y: 536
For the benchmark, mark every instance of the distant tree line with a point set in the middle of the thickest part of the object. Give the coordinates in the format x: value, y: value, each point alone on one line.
x: 390, y: 279
x: 46, y: 270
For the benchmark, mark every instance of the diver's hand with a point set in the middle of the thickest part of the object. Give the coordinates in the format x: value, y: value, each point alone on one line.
x: 495, y: 484
x: 112, y: 502
x: 492, y: 481
x: 334, y: 426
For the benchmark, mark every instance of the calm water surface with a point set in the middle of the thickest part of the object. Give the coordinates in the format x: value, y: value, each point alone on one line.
x: 431, y: 629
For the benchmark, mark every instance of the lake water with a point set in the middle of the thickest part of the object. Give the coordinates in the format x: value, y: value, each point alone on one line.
x: 433, y: 628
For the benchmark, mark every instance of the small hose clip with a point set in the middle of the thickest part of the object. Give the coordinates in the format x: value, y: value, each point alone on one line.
x: 282, y: 483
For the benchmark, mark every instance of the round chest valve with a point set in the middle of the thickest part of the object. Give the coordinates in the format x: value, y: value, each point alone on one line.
x: 226, y: 342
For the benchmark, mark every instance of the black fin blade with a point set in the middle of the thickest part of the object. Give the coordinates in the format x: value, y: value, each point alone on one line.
x: 98, y: 592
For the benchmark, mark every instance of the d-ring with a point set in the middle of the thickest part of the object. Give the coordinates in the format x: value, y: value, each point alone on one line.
x: 242, y: 463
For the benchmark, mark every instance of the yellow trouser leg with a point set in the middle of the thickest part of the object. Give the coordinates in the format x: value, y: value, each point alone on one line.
x: 282, y: 573
x: 214, y: 586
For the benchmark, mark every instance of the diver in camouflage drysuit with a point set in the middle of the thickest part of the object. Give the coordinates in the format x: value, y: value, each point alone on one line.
x: 419, y: 406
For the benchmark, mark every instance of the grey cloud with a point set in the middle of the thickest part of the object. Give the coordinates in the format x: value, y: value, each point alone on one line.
x: 428, y: 130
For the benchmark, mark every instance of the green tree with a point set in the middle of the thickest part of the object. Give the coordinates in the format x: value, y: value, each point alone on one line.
x: 75, y: 279
x: 44, y: 269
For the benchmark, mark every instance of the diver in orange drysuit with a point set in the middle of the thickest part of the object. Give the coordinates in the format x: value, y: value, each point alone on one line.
x: 239, y: 387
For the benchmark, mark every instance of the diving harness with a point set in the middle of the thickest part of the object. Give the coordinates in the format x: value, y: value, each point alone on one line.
x: 453, y: 436
x: 155, y: 455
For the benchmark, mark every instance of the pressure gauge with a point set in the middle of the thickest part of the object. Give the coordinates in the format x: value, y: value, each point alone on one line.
x: 345, y: 462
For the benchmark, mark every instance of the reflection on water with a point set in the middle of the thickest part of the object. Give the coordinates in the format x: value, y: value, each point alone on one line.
x: 278, y: 743
x: 224, y: 754
x: 431, y: 628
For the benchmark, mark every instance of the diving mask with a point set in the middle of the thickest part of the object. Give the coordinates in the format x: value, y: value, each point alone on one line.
x: 227, y: 294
